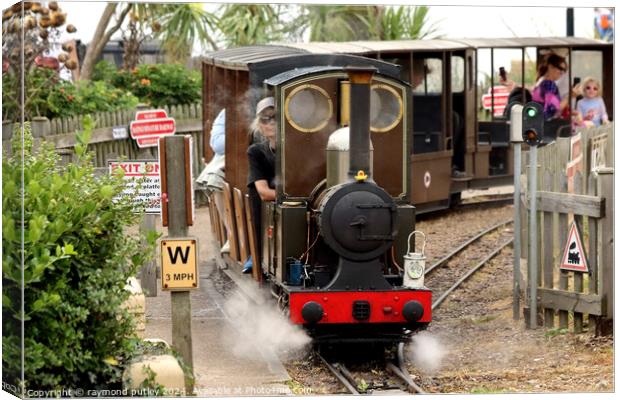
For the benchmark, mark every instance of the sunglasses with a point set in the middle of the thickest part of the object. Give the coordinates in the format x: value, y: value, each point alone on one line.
x: 266, y: 119
x: 591, y: 88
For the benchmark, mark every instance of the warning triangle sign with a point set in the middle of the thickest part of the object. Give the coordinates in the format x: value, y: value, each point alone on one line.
x: 574, y: 256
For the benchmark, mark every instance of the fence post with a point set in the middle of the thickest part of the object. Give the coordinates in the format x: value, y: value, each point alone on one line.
x: 41, y: 127
x: 606, y: 233
x: 533, y: 237
x: 178, y: 227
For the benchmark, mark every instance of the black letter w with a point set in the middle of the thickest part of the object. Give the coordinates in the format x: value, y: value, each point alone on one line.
x: 177, y: 251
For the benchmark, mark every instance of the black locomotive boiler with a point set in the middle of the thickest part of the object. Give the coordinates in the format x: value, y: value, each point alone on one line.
x: 331, y: 247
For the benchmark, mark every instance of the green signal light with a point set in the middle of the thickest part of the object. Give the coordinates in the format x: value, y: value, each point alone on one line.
x: 531, y: 112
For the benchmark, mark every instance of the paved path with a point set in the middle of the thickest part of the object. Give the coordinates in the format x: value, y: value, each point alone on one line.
x: 223, y: 364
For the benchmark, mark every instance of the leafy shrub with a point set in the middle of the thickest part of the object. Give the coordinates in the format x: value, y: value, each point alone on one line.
x: 104, y: 71
x: 94, y: 96
x: 76, y: 260
x: 39, y: 83
x: 155, y: 84
x: 49, y: 96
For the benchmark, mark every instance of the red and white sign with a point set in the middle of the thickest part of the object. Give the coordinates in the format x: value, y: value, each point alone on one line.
x: 150, y: 114
x: 500, y: 99
x: 143, y: 185
x: 150, y: 125
x: 574, y: 258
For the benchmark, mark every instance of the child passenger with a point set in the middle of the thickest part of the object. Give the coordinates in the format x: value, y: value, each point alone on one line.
x: 591, y: 108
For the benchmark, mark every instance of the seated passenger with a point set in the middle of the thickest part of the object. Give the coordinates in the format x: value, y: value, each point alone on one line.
x: 547, y: 93
x: 262, y: 165
x: 591, y: 109
x: 212, y: 177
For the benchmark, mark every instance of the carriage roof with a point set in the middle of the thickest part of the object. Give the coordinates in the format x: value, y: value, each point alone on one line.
x: 266, y: 60
x: 533, y: 42
x: 242, y: 57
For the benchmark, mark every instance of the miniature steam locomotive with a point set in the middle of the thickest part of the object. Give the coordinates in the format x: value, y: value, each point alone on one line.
x: 331, y: 247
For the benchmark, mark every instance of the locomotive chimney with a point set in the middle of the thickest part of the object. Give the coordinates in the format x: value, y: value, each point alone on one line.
x: 359, y: 127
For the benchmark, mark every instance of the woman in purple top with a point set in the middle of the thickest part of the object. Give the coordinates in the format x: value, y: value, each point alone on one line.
x: 546, y: 91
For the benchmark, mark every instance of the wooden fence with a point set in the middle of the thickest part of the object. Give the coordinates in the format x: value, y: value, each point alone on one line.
x: 105, y: 147
x: 575, y: 183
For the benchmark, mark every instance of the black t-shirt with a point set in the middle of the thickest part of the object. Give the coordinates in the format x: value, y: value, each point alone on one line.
x: 262, y: 164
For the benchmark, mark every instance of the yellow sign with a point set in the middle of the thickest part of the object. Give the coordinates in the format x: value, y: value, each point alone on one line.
x: 179, y: 269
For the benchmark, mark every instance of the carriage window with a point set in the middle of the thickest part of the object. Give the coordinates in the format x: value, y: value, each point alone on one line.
x: 458, y: 74
x: 386, y: 108
x: 587, y: 64
x: 432, y: 82
x: 499, y: 73
x: 308, y: 108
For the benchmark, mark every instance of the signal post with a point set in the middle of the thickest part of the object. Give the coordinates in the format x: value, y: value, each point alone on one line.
x: 179, y: 255
x: 533, y: 130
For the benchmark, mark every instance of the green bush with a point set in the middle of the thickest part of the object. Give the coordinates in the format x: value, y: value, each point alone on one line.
x: 77, y: 258
x: 39, y: 83
x: 155, y: 84
x: 68, y: 99
x: 49, y: 96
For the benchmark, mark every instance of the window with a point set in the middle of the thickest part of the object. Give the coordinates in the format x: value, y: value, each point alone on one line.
x: 386, y: 108
x: 431, y: 81
x: 458, y: 74
x: 308, y: 108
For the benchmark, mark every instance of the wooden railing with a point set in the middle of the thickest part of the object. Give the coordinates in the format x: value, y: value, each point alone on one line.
x: 61, y: 132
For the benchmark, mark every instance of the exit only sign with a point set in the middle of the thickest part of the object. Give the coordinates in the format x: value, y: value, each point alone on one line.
x: 179, y: 269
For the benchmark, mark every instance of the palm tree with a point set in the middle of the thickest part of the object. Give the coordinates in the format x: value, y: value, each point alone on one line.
x: 337, y: 23
x: 347, y: 23
x: 180, y: 25
x: 246, y: 24
x: 401, y: 22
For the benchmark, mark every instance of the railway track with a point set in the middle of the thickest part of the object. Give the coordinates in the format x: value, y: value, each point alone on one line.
x: 394, y: 366
x: 443, y: 276
x: 440, y: 278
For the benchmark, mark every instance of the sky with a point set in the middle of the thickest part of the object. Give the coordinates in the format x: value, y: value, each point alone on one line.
x: 453, y: 21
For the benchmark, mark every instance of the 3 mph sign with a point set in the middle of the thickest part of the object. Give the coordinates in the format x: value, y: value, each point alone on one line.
x: 150, y: 125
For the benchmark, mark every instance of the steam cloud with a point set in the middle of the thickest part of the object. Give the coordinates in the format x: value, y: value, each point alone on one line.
x: 259, y: 331
x: 426, y: 352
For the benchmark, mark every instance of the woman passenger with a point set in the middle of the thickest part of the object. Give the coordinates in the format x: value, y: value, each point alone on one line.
x: 546, y: 91
x: 262, y: 165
